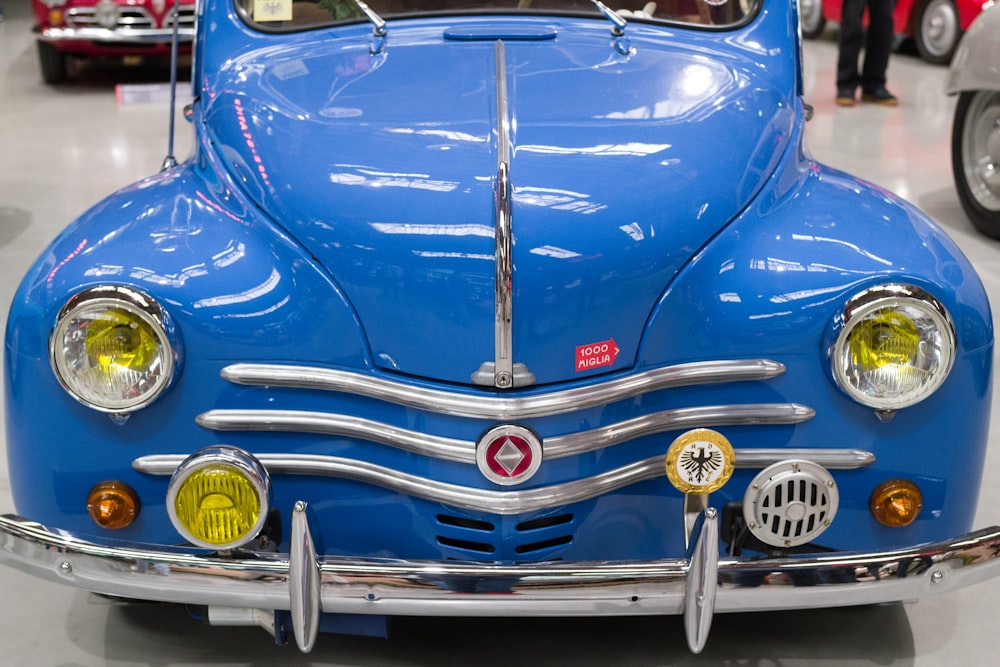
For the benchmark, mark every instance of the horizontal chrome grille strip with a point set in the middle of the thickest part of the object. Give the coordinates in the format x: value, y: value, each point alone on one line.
x: 502, y: 502
x: 671, y: 420
x: 465, y: 450
x: 501, y: 407
x: 296, y: 421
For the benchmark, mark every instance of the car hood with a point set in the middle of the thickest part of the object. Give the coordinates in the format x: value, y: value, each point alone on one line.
x: 384, y: 167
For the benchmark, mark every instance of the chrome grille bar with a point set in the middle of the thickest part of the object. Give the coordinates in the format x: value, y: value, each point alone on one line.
x: 497, y: 407
x: 128, y: 18
x: 501, y: 502
x: 296, y: 421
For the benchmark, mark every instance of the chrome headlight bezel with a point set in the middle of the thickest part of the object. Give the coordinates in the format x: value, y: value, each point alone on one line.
x: 70, y: 368
x: 929, y: 368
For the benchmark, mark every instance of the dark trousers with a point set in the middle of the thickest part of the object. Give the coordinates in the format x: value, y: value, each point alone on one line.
x: 877, y: 43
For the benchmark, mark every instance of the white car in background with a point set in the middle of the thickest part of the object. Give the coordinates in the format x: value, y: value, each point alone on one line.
x: 975, y: 141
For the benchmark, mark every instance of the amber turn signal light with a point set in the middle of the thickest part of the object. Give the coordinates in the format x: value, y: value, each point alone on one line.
x: 896, y: 503
x: 112, y: 505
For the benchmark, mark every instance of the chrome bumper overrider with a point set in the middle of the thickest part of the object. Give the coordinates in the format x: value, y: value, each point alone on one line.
x: 307, y: 586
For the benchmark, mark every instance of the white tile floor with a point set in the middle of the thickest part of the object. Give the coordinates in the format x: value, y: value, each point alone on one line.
x: 62, y: 149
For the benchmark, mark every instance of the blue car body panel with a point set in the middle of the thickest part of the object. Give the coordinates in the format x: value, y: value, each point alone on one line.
x: 338, y: 214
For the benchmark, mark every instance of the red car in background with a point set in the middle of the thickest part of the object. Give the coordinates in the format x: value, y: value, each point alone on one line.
x: 107, y: 28
x: 934, y: 25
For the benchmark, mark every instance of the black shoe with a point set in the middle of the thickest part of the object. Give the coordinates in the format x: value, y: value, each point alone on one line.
x: 880, y: 96
x: 845, y: 97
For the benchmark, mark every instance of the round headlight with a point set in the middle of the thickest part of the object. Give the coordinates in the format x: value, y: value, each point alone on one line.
x: 218, y: 497
x: 110, y: 349
x: 895, y: 348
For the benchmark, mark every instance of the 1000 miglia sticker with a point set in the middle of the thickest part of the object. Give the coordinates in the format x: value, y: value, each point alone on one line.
x: 596, y: 355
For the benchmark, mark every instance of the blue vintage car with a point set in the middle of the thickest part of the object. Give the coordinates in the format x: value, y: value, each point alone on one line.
x: 539, y: 308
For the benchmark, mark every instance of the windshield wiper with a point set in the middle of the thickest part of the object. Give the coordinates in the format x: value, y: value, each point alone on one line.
x: 618, y: 24
x: 616, y: 19
x: 379, y: 31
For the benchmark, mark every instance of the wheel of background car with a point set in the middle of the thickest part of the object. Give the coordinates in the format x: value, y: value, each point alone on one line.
x: 975, y: 158
x: 936, y: 31
x: 53, y: 63
x: 811, y: 18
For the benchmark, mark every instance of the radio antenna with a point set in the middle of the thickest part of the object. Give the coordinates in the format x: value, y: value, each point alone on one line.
x: 169, y: 162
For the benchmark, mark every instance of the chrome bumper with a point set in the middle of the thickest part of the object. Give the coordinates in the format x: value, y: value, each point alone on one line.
x: 307, y: 586
x: 111, y: 36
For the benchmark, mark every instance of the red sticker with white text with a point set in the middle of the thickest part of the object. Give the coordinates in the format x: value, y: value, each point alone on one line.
x: 596, y: 355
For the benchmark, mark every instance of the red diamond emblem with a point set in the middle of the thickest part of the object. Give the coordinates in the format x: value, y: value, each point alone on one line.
x: 509, y: 454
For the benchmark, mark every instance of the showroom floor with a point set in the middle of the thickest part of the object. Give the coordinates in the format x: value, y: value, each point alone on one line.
x: 64, y: 148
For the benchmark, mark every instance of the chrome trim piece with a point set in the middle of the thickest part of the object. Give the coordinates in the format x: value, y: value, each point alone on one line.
x: 703, y: 581
x: 831, y: 459
x: 451, y: 449
x: 671, y: 420
x: 503, y: 236
x: 497, y: 407
x: 297, y: 421
x: 486, y: 374
x: 447, y: 588
x: 481, y: 500
x: 484, y: 500
x: 137, y: 36
x: 303, y: 581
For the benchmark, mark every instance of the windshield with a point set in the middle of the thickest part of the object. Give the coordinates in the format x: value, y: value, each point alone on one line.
x: 303, y: 14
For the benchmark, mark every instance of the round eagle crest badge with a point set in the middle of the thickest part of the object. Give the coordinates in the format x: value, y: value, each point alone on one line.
x: 700, y: 461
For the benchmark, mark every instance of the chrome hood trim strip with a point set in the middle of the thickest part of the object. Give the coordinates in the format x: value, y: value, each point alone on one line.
x: 499, y: 407
x: 295, y: 421
x: 501, y: 502
x: 503, y: 274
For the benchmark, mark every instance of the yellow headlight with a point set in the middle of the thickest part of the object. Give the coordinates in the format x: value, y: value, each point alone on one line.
x: 111, y: 349
x: 889, y: 337
x: 895, y: 347
x: 118, y: 341
x: 218, y: 497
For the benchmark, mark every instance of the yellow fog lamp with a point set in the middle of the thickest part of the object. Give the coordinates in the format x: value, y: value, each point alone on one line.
x: 896, y: 503
x: 112, y: 505
x: 895, y: 346
x: 219, y: 497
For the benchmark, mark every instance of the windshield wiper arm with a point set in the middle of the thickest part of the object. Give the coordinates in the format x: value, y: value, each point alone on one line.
x: 619, y: 23
x: 378, y: 25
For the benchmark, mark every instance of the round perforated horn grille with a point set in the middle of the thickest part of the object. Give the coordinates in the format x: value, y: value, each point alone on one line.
x: 790, y: 503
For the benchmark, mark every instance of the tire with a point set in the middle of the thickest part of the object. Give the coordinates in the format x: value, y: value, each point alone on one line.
x: 811, y: 18
x: 53, y: 63
x: 936, y: 31
x: 975, y: 158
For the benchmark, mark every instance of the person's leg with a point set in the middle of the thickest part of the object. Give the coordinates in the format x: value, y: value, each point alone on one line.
x: 849, y: 46
x: 878, y: 45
